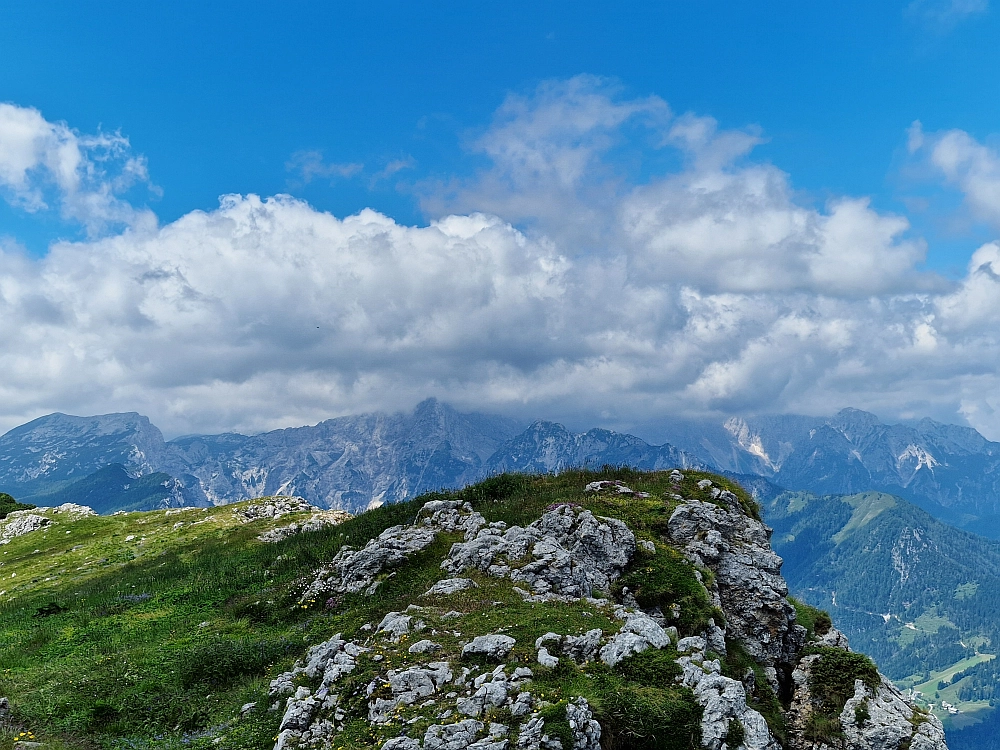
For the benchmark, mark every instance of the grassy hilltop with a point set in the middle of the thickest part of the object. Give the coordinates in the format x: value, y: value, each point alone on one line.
x: 153, y: 629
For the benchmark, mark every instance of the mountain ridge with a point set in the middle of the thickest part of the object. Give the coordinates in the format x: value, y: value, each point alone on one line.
x: 354, y: 462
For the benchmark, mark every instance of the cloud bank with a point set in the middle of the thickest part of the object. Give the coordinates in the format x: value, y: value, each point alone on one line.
x: 557, y: 282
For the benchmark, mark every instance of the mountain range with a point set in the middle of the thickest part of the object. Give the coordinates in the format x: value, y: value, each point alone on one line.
x: 913, y: 591
x: 355, y: 462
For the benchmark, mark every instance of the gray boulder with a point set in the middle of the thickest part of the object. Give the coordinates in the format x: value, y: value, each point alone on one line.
x: 495, y: 646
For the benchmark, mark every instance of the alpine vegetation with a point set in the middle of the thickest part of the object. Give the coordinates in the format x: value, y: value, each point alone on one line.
x: 583, y: 610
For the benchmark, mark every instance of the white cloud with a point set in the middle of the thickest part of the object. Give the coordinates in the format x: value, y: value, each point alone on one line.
x: 964, y: 163
x: 43, y: 162
x: 709, y: 287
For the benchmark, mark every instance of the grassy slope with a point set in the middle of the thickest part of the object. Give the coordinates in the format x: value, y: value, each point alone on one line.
x: 165, y: 636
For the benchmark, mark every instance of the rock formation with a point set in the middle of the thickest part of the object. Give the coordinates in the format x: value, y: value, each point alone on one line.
x: 484, y: 689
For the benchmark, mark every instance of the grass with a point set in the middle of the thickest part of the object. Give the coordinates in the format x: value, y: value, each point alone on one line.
x: 813, y: 619
x: 161, y: 632
x: 831, y: 684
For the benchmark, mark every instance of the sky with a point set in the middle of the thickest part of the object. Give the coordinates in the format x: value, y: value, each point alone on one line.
x: 244, y: 216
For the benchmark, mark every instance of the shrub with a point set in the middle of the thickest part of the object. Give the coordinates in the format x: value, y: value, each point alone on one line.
x: 557, y: 723
x: 861, y: 713
x: 831, y: 680
x: 814, y: 620
x: 735, y: 734
x: 653, y: 667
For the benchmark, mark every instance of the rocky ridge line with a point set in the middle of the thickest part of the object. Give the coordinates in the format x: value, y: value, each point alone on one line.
x: 567, y: 555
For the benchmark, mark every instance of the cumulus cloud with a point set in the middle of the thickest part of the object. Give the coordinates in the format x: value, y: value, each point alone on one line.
x: 964, y: 163
x: 554, y: 283
x: 44, y: 163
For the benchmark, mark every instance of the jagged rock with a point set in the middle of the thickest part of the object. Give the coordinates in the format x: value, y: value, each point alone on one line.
x: 332, y: 659
x: 272, y: 507
x: 715, y: 638
x: 19, y: 525
x: 450, y: 586
x: 299, y: 711
x: 352, y: 570
x: 564, y: 556
x: 73, y: 510
x: 395, y: 625
x: 401, y: 743
x: 586, y: 729
x: 458, y: 736
x: 523, y: 705
x: 531, y: 736
x: 722, y: 699
x: 615, y: 486
x: 488, y: 695
x: 494, y: 646
x: 833, y: 638
x: 407, y: 687
x: 893, y: 721
x: 573, y: 552
x: 747, y: 585
x: 639, y: 633
x: 319, y: 520
x: 546, y: 659
x: 450, y: 515
x: 583, y: 648
x: 423, y: 647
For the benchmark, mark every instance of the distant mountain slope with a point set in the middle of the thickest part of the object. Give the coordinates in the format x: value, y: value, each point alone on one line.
x: 352, y: 462
x: 547, y: 447
x: 52, y: 451
x: 348, y: 462
x: 920, y: 596
x: 952, y: 472
x: 113, y: 488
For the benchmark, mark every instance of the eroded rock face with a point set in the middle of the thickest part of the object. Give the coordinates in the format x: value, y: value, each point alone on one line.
x: 565, y: 556
x: 318, y: 520
x: 872, y: 719
x: 353, y: 570
x: 272, y: 507
x: 748, y: 586
x: 572, y: 553
x: 722, y: 700
x: 19, y: 525
x: 639, y: 633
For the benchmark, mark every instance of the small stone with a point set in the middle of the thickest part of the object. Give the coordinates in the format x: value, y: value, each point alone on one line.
x: 546, y: 659
x: 450, y: 586
x: 423, y: 647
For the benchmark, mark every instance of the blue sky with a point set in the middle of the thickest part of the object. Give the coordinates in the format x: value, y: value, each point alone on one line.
x: 747, y: 178
x: 219, y: 96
